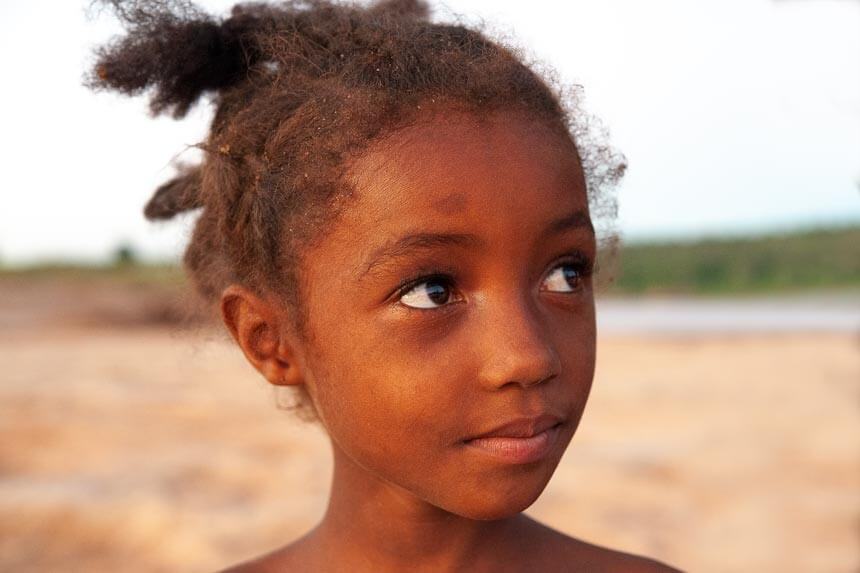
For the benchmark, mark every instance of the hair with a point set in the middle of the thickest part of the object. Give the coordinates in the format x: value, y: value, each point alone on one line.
x: 298, y: 88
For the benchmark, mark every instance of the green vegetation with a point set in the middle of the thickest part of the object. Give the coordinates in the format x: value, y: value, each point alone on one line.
x: 821, y: 259
x: 811, y: 260
x: 125, y: 256
x: 122, y: 271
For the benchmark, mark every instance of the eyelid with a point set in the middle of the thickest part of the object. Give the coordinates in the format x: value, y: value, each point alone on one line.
x: 454, y: 297
x: 576, y: 257
x: 585, y: 265
x: 409, y: 284
x: 418, y: 277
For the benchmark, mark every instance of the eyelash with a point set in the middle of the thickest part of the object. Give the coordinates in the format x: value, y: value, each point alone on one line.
x: 410, y: 284
x: 579, y: 261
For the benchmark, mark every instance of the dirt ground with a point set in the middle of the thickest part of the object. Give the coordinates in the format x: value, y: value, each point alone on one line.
x: 143, y: 447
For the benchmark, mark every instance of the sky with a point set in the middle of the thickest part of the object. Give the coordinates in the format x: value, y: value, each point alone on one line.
x: 736, y: 117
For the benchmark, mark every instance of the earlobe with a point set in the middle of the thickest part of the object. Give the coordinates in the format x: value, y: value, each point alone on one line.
x: 257, y: 327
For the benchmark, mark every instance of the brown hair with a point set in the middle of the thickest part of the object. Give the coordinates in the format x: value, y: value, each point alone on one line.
x: 298, y: 86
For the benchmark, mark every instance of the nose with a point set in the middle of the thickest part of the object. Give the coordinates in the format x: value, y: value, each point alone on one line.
x: 516, y: 347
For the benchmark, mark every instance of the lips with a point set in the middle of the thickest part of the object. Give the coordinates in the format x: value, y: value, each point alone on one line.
x: 519, y: 441
x: 524, y: 427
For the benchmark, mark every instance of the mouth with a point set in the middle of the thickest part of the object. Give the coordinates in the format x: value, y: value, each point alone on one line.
x: 520, y: 441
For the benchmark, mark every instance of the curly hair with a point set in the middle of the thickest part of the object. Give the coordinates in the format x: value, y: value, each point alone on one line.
x: 298, y: 88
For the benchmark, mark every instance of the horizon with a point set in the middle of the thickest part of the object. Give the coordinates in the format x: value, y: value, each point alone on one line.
x: 138, y: 257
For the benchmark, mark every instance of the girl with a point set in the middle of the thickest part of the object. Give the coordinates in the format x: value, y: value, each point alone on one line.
x: 395, y: 220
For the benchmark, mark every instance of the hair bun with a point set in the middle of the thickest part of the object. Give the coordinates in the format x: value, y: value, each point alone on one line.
x: 175, y: 49
x: 414, y: 9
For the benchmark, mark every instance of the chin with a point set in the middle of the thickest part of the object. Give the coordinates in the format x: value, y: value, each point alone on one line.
x: 493, y: 503
x: 501, y: 510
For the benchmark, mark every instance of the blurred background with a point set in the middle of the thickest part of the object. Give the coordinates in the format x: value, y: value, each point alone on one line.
x: 723, y: 430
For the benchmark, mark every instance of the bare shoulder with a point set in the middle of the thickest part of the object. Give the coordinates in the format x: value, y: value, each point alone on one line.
x: 598, y: 558
x: 268, y: 563
x: 571, y: 554
x: 288, y: 558
x: 612, y: 561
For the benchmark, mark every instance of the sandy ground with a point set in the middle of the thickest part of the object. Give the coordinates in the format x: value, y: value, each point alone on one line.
x: 151, y: 449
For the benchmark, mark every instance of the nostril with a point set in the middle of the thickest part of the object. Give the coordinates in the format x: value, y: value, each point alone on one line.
x: 540, y: 381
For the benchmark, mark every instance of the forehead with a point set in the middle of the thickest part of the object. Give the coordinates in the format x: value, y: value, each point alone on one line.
x: 452, y: 163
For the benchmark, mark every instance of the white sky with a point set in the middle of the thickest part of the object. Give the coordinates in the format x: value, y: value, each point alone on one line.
x: 735, y: 115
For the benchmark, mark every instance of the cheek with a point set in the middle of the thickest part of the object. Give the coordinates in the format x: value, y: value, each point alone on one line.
x: 580, y: 363
x: 578, y: 336
x: 580, y: 355
x: 375, y: 396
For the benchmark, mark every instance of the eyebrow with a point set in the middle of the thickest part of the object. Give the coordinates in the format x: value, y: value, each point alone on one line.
x: 424, y: 240
x: 417, y: 242
x: 576, y: 220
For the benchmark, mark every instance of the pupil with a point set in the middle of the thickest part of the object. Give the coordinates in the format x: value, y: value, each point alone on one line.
x: 437, y: 293
x: 571, y: 275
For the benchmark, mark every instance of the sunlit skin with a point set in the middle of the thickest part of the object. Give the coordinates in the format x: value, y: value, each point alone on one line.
x: 452, y: 295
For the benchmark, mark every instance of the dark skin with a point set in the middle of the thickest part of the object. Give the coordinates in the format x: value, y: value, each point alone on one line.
x: 452, y: 294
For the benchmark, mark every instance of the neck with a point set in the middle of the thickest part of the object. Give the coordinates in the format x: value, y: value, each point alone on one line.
x: 381, y: 525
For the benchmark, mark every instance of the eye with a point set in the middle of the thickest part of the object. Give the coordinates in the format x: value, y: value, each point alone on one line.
x: 566, y: 277
x: 429, y: 293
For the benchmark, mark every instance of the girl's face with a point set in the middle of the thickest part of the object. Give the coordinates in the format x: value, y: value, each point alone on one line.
x: 452, y: 299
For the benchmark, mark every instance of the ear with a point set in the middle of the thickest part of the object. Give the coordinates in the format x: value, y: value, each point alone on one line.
x: 260, y: 329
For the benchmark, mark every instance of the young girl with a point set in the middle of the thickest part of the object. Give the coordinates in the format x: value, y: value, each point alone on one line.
x: 395, y: 220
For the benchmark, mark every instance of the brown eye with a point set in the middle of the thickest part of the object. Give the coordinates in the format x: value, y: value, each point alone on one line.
x: 564, y: 278
x: 428, y: 294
